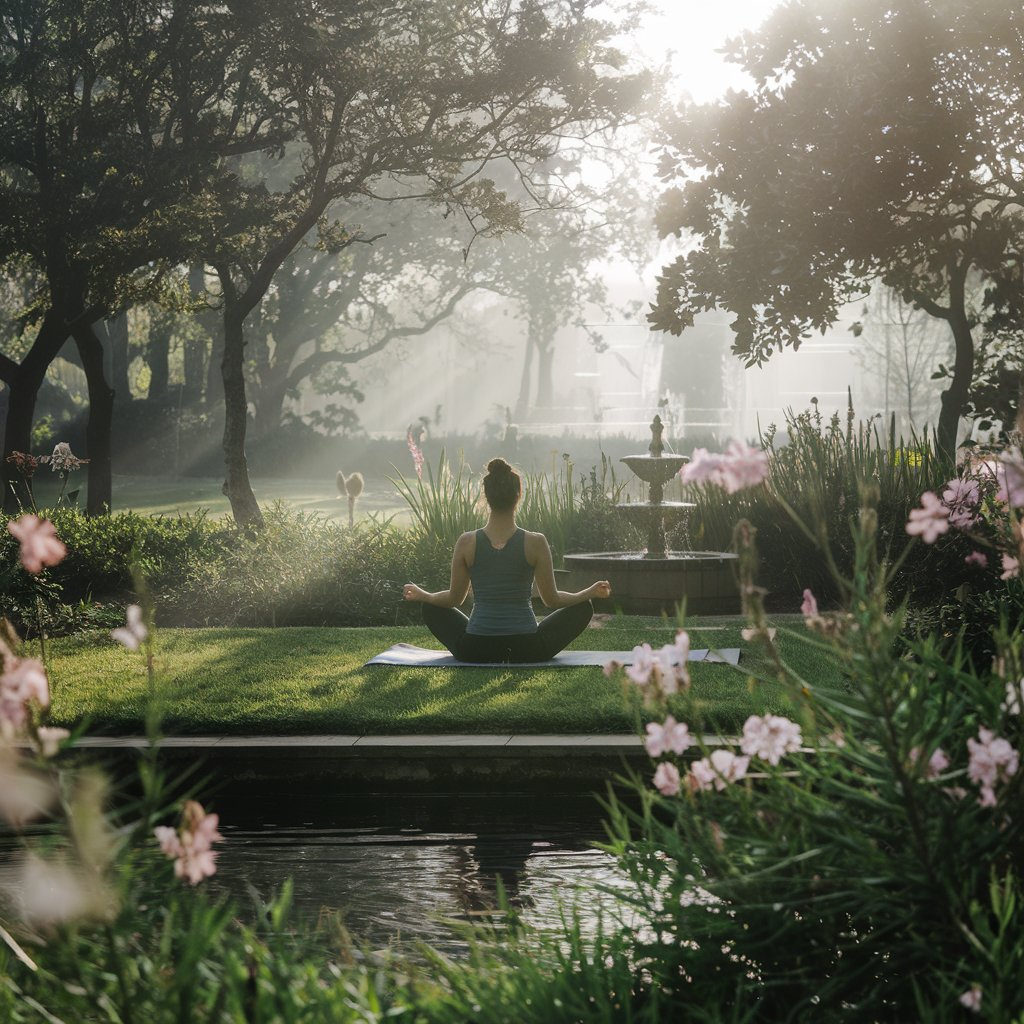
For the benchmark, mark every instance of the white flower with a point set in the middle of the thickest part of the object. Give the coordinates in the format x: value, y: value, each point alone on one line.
x: 1014, y: 703
x: 50, y: 738
x: 971, y: 999
x: 718, y: 770
x: 770, y: 737
x: 134, y: 634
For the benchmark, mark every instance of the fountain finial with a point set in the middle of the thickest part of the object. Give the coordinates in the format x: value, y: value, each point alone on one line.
x: 656, y: 447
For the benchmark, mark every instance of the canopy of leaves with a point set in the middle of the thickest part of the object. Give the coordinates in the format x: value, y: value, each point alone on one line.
x: 879, y: 141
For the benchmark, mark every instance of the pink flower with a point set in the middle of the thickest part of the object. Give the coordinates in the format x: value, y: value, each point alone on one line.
x: 416, y: 453
x: 667, y: 668
x: 40, y: 544
x: 611, y: 667
x: 770, y: 737
x: 1010, y: 477
x: 809, y: 609
x: 743, y: 467
x: 992, y: 760
x: 134, y: 633
x: 1011, y: 568
x: 937, y: 763
x: 671, y: 736
x: 702, y: 468
x: 978, y: 558
x: 753, y: 633
x: 23, y: 681
x: 666, y: 779
x: 971, y: 999
x: 643, y: 664
x: 191, y: 845
x: 962, y: 498
x: 738, y: 468
x: 929, y: 521
x: 718, y: 770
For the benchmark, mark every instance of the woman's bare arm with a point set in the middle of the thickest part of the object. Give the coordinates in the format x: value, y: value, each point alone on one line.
x: 458, y: 587
x: 538, y: 554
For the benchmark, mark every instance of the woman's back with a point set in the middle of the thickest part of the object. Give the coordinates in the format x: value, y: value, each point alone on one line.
x: 502, y: 581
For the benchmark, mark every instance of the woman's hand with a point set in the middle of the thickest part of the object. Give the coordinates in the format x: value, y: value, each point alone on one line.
x: 601, y: 589
x: 413, y: 593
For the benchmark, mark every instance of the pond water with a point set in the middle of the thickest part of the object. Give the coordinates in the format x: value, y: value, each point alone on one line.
x: 398, y: 868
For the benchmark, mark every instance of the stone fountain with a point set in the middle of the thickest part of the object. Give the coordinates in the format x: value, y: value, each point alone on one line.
x: 656, y: 580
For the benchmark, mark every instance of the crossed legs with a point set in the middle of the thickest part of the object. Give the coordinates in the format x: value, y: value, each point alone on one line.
x: 554, y: 632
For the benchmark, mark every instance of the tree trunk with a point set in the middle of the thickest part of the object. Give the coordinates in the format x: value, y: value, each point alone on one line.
x: 101, y: 414
x: 545, y: 380
x: 113, y: 336
x: 158, y: 348
x: 24, y: 388
x: 523, y: 401
x: 954, y: 398
x: 236, y: 484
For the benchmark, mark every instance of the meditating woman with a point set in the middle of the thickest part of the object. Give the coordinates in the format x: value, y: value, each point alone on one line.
x: 502, y: 561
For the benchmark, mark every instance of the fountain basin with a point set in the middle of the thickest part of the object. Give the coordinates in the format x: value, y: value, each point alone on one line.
x: 655, y: 469
x: 651, y: 586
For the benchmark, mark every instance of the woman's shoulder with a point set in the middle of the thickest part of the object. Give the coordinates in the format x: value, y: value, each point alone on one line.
x: 533, y: 539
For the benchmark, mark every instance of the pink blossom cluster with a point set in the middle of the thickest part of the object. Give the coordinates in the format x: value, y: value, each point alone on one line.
x: 190, y: 846
x: 1009, y: 474
x: 39, y: 542
x: 670, y: 736
x: 930, y: 521
x: 22, y: 682
x: 416, y: 452
x: 962, y: 498
x: 667, y: 668
x: 770, y: 737
x: 738, y: 467
x: 991, y: 761
x: 718, y: 769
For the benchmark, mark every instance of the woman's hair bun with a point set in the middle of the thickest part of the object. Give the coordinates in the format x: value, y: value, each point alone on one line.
x: 497, y: 467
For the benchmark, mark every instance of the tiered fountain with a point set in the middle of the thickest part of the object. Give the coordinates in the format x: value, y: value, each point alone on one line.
x: 657, y: 580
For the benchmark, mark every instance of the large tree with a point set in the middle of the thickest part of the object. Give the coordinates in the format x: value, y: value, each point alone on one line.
x: 878, y: 142
x: 113, y: 114
x: 385, y: 98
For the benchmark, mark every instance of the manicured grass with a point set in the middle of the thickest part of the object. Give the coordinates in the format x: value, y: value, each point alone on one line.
x: 153, y: 495
x: 279, y: 681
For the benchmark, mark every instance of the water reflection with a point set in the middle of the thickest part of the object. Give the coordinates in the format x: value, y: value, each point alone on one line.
x: 396, y: 867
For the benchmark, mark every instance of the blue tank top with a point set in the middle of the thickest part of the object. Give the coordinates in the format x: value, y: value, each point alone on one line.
x: 502, y: 582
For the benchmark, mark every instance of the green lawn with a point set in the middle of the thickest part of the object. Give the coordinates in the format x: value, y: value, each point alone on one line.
x: 309, y: 680
x: 152, y: 495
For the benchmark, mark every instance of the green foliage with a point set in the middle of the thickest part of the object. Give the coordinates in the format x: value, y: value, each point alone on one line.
x: 314, y: 680
x: 817, y: 477
x: 574, y: 513
x: 887, y: 128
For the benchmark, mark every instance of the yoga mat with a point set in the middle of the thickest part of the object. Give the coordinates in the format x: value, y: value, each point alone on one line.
x: 422, y: 657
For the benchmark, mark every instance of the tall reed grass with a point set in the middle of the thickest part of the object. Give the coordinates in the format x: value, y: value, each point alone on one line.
x: 819, y: 475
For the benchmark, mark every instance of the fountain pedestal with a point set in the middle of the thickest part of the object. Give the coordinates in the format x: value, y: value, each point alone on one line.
x: 657, y: 580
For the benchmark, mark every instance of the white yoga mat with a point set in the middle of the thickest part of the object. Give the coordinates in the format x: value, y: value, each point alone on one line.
x: 422, y: 657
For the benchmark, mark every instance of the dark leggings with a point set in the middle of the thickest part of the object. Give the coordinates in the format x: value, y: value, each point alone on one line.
x: 554, y: 632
